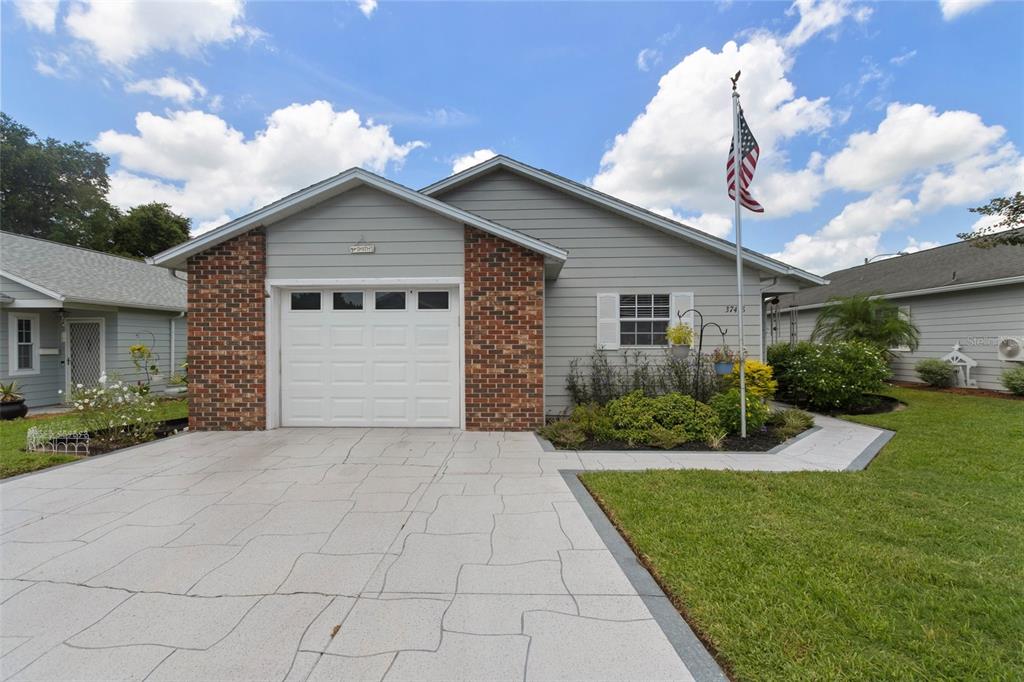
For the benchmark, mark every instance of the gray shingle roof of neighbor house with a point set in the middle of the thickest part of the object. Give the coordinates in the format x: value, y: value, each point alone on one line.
x: 68, y: 273
x: 951, y: 266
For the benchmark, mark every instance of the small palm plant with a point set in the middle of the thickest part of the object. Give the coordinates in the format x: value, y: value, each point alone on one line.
x: 863, y: 318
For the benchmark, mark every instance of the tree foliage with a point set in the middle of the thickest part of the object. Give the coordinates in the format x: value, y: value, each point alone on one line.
x: 863, y: 318
x: 1007, y: 231
x: 58, y: 191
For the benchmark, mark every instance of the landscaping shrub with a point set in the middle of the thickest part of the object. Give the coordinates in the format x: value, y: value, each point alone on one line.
x: 938, y: 373
x: 607, y: 376
x: 790, y: 422
x: 594, y: 421
x: 727, y: 407
x: 564, y: 434
x: 829, y: 377
x: 115, y: 412
x: 640, y: 420
x: 1013, y: 379
x: 758, y: 378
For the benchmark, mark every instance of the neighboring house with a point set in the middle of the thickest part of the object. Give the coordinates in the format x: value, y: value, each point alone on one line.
x: 956, y: 295
x: 69, y: 315
x: 360, y: 302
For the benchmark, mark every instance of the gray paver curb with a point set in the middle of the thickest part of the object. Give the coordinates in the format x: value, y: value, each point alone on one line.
x: 861, y: 461
x: 691, y: 651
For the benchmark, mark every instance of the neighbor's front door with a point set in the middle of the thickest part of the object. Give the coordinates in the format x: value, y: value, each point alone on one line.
x: 85, y: 362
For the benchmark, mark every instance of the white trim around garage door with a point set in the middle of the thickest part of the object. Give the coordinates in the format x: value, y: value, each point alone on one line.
x: 274, y: 287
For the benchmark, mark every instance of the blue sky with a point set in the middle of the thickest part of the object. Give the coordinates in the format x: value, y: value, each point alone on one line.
x: 879, y: 123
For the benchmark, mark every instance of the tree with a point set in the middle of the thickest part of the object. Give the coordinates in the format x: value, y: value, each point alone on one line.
x: 1007, y: 230
x: 142, y: 231
x: 50, y: 189
x: 874, y: 320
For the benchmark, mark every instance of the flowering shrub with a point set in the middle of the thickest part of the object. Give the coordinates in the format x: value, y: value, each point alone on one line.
x: 114, y: 411
x: 758, y: 378
x: 829, y: 377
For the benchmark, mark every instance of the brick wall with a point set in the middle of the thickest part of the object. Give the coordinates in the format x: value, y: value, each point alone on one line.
x: 226, y: 335
x: 504, y: 290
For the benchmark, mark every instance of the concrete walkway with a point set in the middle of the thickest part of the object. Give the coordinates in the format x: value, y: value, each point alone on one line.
x: 361, y: 554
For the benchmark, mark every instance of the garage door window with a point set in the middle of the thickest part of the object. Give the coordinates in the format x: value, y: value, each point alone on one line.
x: 348, y: 300
x: 390, y: 300
x: 305, y: 300
x: 433, y: 300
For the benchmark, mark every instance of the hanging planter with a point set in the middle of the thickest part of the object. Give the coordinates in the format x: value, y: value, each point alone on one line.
x: 724, y: 367
x: 680, y: 338
x: 723, y: 360
x: 680, y: 352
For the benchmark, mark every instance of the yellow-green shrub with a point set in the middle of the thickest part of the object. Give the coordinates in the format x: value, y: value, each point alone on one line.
x: 759, y: 378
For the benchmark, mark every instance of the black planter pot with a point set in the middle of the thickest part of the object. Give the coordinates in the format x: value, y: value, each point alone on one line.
x: 13, y: 410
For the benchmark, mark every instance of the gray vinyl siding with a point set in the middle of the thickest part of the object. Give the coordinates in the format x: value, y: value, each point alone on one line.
x: 41, y: 388
x: 410, y: 241
x: 607, y: 254
x: 122, y: 328
x: 975, y: 319
x: 20, y: 291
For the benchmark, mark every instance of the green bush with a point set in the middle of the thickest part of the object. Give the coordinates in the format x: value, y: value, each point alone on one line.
x: 727, y: 407
x: 637, y: 419
x: 828, y: 377
x: 564, y: 434
x: 1013, y: 379
x: 790, y: 422
x: 595, y: 422
x: 938, y: 373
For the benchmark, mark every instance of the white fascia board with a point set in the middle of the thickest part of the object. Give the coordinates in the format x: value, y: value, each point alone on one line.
x: 31, y: 285
x: 949, y: 288
x: 622, y: 208
x: 176, y: 256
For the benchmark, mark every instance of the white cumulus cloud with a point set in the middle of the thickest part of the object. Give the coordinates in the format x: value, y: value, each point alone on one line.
x: 180, y: 91
x: 39, y: 14
x: 821, y: 15
x: 367, y: 7
x: 673, y: 154
x: 121, y: 32
x: 465, y: 161
x: 951, y: 9
x: 196, y: 162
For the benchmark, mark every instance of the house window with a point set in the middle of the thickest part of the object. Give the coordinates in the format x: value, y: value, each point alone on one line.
x: 643, y: 319
x: 904, y: 314
x: 305, y: 300
x: 389, y: 300
x: 23, y: 344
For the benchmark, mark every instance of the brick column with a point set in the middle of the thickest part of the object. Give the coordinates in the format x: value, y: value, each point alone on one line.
x: 227, y: 335
x: 504, y: 290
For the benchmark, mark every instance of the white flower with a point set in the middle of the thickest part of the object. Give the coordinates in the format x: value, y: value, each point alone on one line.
x: 79, y: 386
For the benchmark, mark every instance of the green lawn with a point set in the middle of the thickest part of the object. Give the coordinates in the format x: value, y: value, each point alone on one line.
x: 912, y: 569
x: 14, y: 460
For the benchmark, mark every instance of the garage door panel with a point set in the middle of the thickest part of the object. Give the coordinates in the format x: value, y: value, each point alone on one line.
x: 370, y: 367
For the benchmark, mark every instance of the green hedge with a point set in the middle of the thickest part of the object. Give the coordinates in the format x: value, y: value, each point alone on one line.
x: 828, y: 377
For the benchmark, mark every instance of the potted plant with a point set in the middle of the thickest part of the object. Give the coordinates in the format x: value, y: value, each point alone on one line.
x: 680, y: 338
x: 12, y: 403
x: 723, y: 359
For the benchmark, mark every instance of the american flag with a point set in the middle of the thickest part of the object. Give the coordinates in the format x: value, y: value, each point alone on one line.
x: 749, y: 151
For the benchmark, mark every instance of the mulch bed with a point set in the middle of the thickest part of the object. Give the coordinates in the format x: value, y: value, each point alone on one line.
x: 756, y: 441
x: 163, y: 430
x: 981, y: 392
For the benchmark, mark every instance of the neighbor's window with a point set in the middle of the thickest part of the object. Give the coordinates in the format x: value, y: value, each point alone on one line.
x: 390, y: 300
x: 23, y: 344
x: 433, y: 300
x: 305, y: 300
x: 643, y: 319
x: 348, y: 300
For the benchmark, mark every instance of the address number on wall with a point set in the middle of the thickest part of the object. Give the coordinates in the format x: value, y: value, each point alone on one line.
x: 732, y: 308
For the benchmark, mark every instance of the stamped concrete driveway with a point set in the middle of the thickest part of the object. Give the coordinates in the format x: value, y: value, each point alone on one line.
x: 317, y: 554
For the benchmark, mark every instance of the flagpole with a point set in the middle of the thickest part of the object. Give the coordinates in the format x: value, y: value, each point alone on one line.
x: 737, y: 171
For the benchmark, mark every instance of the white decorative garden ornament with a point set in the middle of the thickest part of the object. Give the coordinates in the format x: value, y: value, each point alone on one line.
x: 963, y: 363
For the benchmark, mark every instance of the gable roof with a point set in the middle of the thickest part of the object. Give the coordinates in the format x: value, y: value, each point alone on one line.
x: 354, y: 177
x: 959, y: 265
x: 75, y: 275
x: 623, y: 208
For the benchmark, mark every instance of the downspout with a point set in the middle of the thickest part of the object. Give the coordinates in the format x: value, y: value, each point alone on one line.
x: 775, y: 280
x: 176, y: 317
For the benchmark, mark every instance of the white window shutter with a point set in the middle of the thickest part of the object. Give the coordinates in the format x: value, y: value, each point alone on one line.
x: 683, y: 301
x: 608, y: 321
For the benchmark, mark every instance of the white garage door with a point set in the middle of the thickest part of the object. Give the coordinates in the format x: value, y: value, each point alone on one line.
x: 370, y: 357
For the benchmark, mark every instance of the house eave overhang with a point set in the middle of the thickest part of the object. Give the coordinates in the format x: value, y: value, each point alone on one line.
x: 176, y: 257
x: 625, y: 209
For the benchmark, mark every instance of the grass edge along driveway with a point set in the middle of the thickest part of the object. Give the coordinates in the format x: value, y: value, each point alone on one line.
x: 911, y: 569
x: 15, y: 460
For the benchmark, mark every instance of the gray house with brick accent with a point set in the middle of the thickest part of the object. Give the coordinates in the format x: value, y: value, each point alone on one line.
x: 360, y: 302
